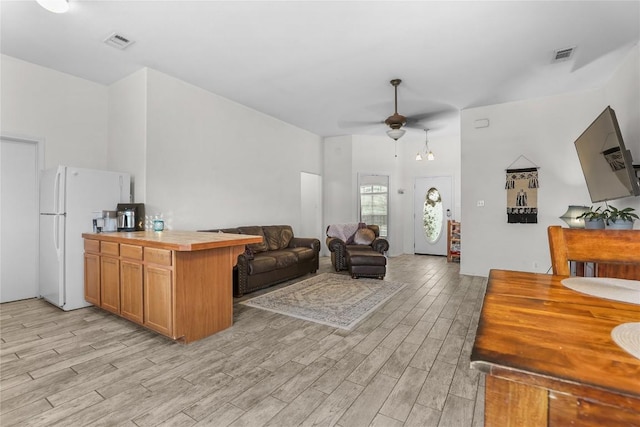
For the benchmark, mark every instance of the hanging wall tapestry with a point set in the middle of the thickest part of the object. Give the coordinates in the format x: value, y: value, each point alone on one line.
x: 522, y: 195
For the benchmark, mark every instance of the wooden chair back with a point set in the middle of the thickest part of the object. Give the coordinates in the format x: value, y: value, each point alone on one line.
x: 616, y: 253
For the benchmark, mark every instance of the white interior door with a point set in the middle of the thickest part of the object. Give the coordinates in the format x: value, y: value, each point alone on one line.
x: 19, y: 181
x: 311, y: 206
x: 432, y: 208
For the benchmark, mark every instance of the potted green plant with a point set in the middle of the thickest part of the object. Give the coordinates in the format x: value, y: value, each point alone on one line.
x: 620, y: 219
x: 594, y: 219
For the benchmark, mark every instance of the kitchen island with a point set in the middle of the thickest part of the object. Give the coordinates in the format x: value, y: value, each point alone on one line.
x: 549, y: 356
x: 177, y: 283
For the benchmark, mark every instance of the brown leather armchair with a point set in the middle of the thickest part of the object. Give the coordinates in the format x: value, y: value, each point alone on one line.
x: 339, y: 248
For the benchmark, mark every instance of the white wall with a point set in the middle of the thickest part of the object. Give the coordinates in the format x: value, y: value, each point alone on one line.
x: 128, y: 130
x: 623, y: 94
x: 543, y: 130
x: 339, y: 201
x: 69, y: 113
x: 215, y: 163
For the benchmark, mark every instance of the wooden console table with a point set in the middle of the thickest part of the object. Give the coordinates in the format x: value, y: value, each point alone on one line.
x: 178, y: 283
x: 549, y: 356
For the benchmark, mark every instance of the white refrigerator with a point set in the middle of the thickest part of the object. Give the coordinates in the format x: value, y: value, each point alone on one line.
x: 69, y: 198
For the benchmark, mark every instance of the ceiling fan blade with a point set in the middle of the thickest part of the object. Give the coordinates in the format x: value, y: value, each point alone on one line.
x: 432, y: 115
x: 358, y: 123
x: 427, y: 120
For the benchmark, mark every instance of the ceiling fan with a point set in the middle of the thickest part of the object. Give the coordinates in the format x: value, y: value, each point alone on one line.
x: 397, y: 122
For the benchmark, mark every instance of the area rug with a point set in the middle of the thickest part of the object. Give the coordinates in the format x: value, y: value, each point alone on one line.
x: 330, y: 299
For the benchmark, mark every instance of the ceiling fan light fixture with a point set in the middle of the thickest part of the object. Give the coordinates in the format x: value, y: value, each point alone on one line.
x: 55, y: 6
x: 395, y: 134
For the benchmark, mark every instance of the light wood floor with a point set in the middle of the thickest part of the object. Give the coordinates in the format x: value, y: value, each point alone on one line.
x: 405, y: 365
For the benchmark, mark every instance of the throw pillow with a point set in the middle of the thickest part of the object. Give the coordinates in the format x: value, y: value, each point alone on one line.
x: 364, y: 236
x: 277, y: 236
x: 255, y: 231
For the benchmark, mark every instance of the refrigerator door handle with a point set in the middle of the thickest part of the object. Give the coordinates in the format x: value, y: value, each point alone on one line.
x: 56, y: 193
x: 56, y: 234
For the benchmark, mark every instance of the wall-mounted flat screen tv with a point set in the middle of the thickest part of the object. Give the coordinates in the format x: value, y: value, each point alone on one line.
x: 606, y: 163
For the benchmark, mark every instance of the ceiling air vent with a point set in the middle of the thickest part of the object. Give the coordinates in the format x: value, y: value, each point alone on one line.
x: 118, y: 41
x: 563, y: 54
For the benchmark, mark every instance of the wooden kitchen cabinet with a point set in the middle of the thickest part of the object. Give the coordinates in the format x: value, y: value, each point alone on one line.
x: 158, y: 290
x: 158, y: 299
x: 131, y: 290
x: 110, y: 277
x: 176, y: 283
x: 92, y: 271
x: 131, y: 283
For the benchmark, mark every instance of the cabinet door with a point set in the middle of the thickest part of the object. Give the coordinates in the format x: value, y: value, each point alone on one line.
x: 158, y: 300
x: 92, y: 278
x: 110, y: 280
x: 131, y: 291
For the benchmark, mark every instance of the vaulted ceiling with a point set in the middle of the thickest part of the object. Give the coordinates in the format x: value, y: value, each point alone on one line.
x: 325, y: 66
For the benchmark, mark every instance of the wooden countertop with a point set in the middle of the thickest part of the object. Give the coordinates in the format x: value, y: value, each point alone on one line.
x: 176, y: 240
x: 535, y: 331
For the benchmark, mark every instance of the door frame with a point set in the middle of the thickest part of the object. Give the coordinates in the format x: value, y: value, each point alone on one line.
x: 40, y: 164
x: 318, y: 188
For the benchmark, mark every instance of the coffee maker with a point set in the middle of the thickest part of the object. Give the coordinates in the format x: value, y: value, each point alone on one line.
x: 130, y: 217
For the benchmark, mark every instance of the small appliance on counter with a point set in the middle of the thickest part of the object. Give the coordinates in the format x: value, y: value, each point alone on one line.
x: 130, y: 217
x: 105, y: 221
x: 110, y: 220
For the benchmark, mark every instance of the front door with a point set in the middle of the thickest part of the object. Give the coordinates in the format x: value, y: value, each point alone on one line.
x: 432, y: 208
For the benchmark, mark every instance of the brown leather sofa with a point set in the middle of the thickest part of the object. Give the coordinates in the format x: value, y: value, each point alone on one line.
x: 279, y: 257
x: 362, y: 259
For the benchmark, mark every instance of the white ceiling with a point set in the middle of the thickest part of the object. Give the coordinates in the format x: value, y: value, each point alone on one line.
x: 325, y: 66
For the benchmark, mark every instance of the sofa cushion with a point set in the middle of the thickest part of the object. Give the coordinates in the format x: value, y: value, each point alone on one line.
x: 364, y: 236
x: 277, y: 236
x: 303, y: 254
x: 284, y: 258
x: 255, y: 231
x: 261, y: 263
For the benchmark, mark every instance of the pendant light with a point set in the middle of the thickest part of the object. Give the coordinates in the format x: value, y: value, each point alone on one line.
x: 427, y: 151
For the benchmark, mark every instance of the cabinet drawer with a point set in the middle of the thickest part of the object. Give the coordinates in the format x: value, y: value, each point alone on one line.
x: 109, y: 248
x: 91, y: 245
x: 131, y: 251
x: 157, y: 256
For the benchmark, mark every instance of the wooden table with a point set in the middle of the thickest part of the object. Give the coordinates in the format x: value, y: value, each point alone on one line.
x: 549, y: 356
x: 178, y: 283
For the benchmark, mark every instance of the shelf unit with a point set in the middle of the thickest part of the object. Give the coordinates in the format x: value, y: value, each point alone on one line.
x: 453, y: 241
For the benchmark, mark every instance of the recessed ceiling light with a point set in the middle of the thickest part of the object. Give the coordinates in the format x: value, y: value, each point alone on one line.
x: 55, y: 6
